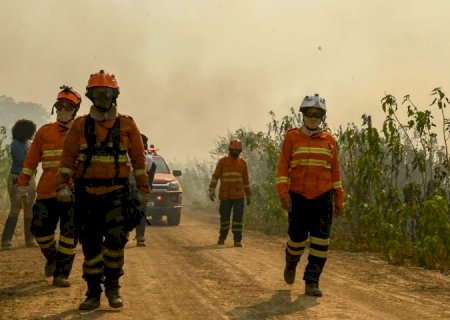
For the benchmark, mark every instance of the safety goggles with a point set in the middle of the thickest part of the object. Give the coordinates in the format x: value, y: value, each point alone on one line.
x: 313, y: 113
x: 64, y: 104
x: 101, y: 92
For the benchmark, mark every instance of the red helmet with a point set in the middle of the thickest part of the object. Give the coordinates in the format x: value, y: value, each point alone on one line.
x: 67, y: 93
x: 102, y: 79
x: 235, y: 144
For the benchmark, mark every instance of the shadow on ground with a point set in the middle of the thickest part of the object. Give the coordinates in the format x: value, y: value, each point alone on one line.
x: 280, y: 304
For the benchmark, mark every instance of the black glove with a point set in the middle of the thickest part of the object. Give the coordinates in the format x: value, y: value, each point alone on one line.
x: 212, y: 194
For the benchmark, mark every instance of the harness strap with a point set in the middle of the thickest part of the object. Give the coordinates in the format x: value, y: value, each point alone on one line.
x: 91, y: 138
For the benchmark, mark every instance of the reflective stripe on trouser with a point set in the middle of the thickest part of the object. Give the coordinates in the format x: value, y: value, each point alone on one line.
x: 46, y: 215
x: 103, y: 237
x: 311, y: 218
x: 226, y: 206
x: 17, y: 204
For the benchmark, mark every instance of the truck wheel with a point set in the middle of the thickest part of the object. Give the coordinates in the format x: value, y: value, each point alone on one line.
x: 174, y: 218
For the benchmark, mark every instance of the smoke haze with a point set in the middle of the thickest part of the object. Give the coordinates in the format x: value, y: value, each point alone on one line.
x: 190, y: 71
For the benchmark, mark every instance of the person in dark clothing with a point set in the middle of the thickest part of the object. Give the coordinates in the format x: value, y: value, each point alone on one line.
x: 150, y: 168
x: 22, y: 132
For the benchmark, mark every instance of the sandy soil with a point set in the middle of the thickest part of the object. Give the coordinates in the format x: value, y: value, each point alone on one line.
x: 183, y: 274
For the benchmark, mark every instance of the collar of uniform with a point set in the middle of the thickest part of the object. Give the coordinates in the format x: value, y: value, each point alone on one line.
x: 310, y: 133
x: 101, y: 116
x: 65, y: 125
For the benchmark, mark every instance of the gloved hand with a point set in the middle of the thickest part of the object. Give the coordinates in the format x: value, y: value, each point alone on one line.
x: 142, y: 198
x: 22, y: 191
x: 286, y: 204
x: 65, y: 194
x: 212, y: 194
x: 249, y: 200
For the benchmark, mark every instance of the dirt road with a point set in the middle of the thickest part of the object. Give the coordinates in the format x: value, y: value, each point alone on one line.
x: 183, y: 274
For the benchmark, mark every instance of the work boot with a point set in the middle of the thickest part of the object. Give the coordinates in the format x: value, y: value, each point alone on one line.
x: 90, y: 303
x: 237, y: 244
x: 114, y: 299
x: 289, y: 273
x: 60, y: 281
x: 221, y: 242
x: 92, y: 295
x: 312, y: 289
x: 49, y: 268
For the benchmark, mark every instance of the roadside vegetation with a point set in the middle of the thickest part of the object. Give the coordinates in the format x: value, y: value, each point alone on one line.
x: 396, y: 181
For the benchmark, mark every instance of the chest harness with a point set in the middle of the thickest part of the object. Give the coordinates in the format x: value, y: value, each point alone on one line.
x: 103, y: 148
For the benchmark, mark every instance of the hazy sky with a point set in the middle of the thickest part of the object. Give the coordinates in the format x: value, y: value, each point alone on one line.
x: 189, y: 71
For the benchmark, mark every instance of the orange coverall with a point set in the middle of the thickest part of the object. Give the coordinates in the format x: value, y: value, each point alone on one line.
x: 308, y: 173
x: 47, y: 148
x: 102, y: 191
x: 234, y: 185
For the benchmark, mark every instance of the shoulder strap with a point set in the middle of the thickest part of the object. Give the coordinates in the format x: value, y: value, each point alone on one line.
x: 115, y: 131
x: 89, y: 134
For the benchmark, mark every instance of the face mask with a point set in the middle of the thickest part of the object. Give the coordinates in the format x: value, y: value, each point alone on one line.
x: 102, y: 104
x: 64, y: 116
x: 234, y: 153
x: 312, y: 123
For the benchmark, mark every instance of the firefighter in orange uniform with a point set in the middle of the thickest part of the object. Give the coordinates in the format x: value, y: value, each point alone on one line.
x: 309, y: 187
x: 47, y: 148
x: 234, y: 185
x: 97, y: 152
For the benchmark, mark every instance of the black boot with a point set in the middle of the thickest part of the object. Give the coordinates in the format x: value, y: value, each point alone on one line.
x: 290, y: 267
x: 90, y: 303
x: 92, y: 296
x: 60, y: 281
x: 114, y: 299
x: 112, y: 291
x: 289, y: 272
x: 312, y: 289
x: 50, y: 266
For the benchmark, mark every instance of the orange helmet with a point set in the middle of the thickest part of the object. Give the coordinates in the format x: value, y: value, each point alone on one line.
x: 67, y: 93
x: 102, y: 79
x: 235, y: 144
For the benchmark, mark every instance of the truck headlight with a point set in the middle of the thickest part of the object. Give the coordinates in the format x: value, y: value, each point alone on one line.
x: 173, y: 186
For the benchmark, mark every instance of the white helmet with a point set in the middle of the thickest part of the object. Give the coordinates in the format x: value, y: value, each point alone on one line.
x: 314, y: 102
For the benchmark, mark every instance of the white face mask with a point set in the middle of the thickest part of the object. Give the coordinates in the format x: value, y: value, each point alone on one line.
x: 312, y: 123
x: 64, y: 116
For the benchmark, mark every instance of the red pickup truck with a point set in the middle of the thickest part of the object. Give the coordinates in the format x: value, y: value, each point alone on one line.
x: 167, y: 194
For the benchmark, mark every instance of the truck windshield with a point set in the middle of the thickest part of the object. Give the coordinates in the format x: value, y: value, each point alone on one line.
x: 161, y: 166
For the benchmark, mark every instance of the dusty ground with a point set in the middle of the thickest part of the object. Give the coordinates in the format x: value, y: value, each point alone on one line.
x: 182, y: 274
